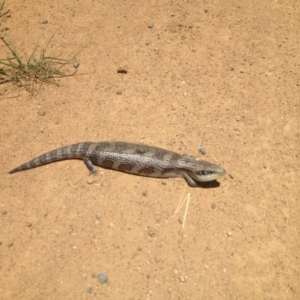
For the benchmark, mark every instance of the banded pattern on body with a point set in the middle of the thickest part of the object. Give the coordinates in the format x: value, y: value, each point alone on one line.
x: 131, y: 158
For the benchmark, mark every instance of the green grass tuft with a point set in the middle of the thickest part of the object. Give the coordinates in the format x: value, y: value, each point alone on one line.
x: 34, y: 70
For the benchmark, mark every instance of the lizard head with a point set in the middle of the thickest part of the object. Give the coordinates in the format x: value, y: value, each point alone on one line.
x: 200, y: 170
x: 207, y: 172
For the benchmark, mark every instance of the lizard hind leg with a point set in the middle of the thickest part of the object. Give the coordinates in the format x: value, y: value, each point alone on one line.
x: 90, y: 166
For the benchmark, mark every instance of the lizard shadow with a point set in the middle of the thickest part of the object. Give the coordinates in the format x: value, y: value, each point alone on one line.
x: 207, y: 185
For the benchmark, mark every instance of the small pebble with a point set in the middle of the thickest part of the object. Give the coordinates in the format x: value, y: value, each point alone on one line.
x: 9, y: 244
x: 151, y: 232
x: 4, y: 212
x: 183, y: 142
x: 91, y: 180
x: 119, y: 92
x: 207, y: 248
x: 182, y: 277
x: 150, y: 25
x: 41, y: 113
x: 229, y: 233
x: 123, y: 70
x: 76, y: 65
x: 102, y: 278
x: 44, y: 21
x: 89, y: 290
x: 202, y: 150
x: 28, y: 224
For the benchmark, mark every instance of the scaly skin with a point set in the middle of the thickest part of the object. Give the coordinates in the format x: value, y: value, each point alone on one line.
x: 131, y: 158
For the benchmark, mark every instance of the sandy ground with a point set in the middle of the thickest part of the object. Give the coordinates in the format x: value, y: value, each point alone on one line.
x: 221, y: 73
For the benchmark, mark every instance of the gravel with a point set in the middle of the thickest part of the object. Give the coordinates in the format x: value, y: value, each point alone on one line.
x: 76, y: 65
x: 102, y: 278
x: 202, y: 150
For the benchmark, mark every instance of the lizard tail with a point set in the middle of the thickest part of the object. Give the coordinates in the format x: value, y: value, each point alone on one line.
x: 75, y: 151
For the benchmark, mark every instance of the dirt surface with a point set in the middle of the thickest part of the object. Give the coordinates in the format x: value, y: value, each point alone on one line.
x: 224, y: 74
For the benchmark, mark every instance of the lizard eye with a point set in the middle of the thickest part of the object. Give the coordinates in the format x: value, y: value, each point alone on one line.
x: 204, y: 173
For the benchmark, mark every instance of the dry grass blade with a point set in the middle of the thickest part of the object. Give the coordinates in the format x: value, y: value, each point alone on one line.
x: 2, y: 13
